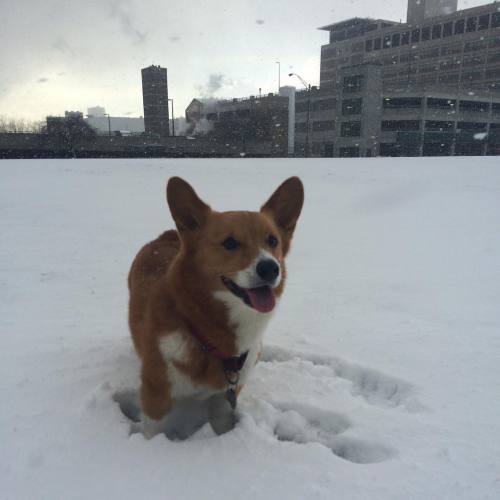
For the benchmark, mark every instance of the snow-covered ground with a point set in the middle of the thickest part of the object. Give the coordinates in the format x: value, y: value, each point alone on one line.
x: 381, y: 375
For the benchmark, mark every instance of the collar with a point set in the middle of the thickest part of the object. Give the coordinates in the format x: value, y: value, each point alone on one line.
x: 231, y: 364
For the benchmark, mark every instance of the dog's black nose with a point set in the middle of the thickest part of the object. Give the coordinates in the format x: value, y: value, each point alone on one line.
x: 268, y: 270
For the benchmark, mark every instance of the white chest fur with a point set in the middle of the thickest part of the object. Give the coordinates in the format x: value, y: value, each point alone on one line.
x: 249, y: 326
x: 174, y: 347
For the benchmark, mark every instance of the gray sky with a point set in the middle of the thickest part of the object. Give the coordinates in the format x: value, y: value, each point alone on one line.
x: 59, y: 55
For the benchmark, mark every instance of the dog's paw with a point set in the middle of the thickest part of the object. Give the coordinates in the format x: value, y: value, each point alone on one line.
x: 129, y: 403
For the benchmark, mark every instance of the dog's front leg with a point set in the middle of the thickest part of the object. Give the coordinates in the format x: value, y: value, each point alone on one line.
x: 155, y: 396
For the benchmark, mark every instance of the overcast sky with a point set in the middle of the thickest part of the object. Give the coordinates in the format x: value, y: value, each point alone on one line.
x: 59, y: 55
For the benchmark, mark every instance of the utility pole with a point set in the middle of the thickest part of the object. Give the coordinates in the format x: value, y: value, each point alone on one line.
x: 279, y: 75
x: 173, y: 121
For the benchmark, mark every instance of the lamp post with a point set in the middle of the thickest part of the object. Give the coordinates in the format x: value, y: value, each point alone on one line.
x: 173, y: 122
x: 279, y: 75
x: 308, y: 89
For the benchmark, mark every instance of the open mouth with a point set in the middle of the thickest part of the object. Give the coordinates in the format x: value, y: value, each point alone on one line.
x: 261, y: 299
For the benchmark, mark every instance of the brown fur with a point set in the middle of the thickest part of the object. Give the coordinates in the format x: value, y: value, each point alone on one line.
x: 173, y: 278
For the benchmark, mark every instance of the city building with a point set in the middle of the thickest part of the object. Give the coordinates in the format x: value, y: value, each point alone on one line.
x: 155, y: 99
x: 70, y: 125
x: 358, y: 117
x: 257, y: 119
x: 427, y: 87
x: 457, y: 50
x: 96, y: 111
x: 104, y: 123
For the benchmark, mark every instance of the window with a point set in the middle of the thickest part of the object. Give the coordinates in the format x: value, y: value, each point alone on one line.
x: 320, y: 126
x: 437, y: 31
x: 436, y: 103
x: 400, y: 125
x: 475, y: 45
x: 495, y: 20
x: 472, y: 126
x: 494, y: 58
x: 301, y: 127
x: 449, y: 78
x: 415, y: 36
x: 484, y: 22
x: 337, y: 36
x: 387, y: 41
x: 357, y: 47
x: 430, y: 53
x: 448, y: 29
x: 439, y: 126
x: 350, y: 129
x: 471, y: 24
x: 471, y: 77
x: 460, y: 27
x: 377, y: 44
x: 402, y: 102
x: 369, y: 45
x: 474, y: 60
x: 353, y: 83
x: 474, y: 106
x: 405, y: 38
x: 301, y: 106
x: 493, y: 73
x: 451, y: 49
x: 396, y: 40
x: 352, y: 106
x: 496, y: 107
x: 426, y: 33
x: 349, y: 152
x: 324, y: 104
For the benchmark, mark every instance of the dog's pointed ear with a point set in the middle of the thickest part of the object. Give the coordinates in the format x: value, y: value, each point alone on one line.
x: 188, y: 211
x: 285, y: 205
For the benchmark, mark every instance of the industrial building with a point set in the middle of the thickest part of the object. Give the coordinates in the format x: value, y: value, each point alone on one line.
x: 428, y: 87
x: 261, y: 120
x: 361, y: 117
x: 457, y: 50
x: 103, y: 123
x: 155, y: 100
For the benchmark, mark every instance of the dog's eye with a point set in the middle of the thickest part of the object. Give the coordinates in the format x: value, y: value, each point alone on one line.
x: 231, y: 244
x: 272, y: 241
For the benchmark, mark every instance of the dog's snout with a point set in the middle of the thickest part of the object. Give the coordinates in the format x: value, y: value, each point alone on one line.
x: 268, y: 270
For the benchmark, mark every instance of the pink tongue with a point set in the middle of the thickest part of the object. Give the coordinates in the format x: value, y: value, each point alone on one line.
x: 262, y: 299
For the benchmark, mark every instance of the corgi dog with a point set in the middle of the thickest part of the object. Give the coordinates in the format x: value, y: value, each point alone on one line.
x: 201, y: 297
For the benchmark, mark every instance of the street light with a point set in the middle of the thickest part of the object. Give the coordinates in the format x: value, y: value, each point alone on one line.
x: 308, y: 89
x: 173, y: 122
x: 279, y: 75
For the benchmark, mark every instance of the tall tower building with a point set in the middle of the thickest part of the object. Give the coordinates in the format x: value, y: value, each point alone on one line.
x: 155, y: 99
x: 419, y: 10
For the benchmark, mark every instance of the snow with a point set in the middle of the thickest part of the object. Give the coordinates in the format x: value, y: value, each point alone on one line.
x: 380, y: 375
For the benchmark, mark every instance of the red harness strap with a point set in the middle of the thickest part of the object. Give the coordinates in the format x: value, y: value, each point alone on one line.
x: 231, y: 364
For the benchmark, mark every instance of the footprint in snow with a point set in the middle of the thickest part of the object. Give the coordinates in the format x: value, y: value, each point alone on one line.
x: 303, y: 424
